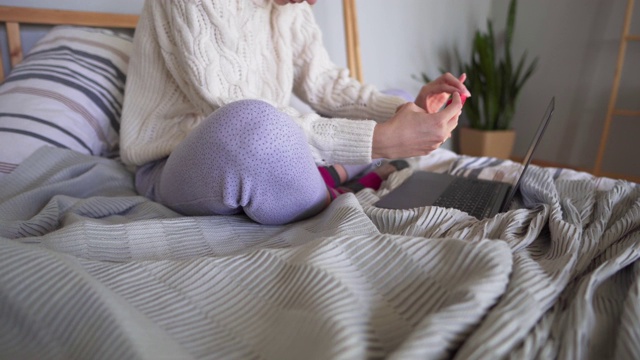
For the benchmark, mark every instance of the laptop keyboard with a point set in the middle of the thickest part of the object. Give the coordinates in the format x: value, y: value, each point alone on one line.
x: 469, y: 195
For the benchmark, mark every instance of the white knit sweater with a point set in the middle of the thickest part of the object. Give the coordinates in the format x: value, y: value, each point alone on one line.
x: 191, y: 57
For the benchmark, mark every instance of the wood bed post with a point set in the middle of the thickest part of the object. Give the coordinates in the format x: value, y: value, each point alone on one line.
x: 14, y: 42
x: 352, y: 39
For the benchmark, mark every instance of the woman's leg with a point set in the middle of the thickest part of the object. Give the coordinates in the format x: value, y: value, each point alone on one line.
x: 336, y: 175
x: 346, y: 178
x: 246, y: 157
x: 374, y: 178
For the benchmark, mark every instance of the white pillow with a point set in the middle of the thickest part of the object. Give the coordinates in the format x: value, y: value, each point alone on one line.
x: 67, y: 93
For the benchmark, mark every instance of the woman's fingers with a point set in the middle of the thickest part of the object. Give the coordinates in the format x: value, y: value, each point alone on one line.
x: 434, y: 94
x: 456, y: 83
x: 452, y: 112
x: 454, y: 108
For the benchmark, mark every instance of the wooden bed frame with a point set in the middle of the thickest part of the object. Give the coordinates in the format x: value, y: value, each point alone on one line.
x: 13, y: 17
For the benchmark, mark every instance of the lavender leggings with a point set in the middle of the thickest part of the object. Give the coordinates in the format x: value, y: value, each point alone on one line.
x: 245, y: 157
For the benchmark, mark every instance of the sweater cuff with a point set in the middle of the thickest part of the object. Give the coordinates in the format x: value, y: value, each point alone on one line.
x: 385, y: 106
x: 350, y: 141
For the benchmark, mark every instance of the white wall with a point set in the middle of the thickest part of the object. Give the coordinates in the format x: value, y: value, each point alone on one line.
x: 402, y: 38
x: 577, y: 44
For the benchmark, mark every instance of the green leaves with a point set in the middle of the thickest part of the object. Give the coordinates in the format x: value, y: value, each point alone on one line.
x: 494, y: 83
x: 492, y: 80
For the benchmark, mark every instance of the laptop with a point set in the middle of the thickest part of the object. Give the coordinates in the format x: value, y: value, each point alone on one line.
x: 477, y: 197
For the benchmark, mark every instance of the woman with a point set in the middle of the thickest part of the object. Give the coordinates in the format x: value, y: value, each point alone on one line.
x: 206, y: 117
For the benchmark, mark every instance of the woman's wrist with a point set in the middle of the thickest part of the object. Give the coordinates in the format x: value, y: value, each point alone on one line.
x: 378, y: 143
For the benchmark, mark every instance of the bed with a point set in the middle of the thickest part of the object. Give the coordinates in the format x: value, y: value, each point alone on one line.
x: 90, y: 269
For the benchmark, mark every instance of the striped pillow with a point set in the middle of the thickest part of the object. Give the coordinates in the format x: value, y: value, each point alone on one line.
x: 67, y: 93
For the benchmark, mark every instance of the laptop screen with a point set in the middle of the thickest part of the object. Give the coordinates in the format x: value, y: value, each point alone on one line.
x: 534, y: 143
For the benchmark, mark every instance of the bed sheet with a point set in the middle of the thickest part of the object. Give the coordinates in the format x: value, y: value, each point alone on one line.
x: 92, y: 270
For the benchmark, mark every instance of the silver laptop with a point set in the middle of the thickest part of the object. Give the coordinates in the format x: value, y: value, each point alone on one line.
x: 479, y: 198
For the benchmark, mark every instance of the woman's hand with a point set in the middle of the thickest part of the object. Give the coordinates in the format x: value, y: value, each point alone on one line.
x: 433, y: 95
x: 414, y: 132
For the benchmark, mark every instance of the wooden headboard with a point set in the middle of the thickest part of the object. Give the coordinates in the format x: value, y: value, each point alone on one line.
x: 13, y: 17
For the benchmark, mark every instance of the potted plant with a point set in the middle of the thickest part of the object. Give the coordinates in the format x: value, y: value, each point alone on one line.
x: 495, y: 84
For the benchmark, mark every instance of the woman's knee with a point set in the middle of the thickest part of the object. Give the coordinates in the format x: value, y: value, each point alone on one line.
x: 245, y: 121
x: 247, y: 155
x: 243, y: 131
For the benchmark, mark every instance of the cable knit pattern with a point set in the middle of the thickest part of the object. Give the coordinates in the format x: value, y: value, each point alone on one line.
x: 192, y: 57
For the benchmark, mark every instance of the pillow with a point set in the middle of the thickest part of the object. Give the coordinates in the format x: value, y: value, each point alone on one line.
x: 67, y: 92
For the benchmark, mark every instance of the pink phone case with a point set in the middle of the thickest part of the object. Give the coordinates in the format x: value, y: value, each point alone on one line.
x: 462, y: 97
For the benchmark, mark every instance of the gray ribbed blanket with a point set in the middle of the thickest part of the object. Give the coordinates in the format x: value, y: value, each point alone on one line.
x: 90, y: 270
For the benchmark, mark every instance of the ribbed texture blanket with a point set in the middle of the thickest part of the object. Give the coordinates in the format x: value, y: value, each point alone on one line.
x: 90, y: 270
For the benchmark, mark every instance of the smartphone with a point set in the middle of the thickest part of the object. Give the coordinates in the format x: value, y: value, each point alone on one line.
x: 462, y: 98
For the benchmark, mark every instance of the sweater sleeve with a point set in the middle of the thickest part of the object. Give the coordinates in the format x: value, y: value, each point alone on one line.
x: 328, y: 88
